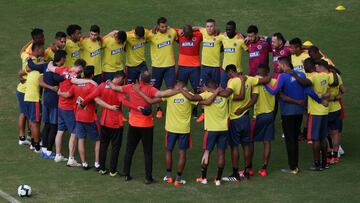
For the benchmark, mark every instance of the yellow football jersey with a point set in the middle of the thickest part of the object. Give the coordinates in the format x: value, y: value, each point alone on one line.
x: 32, y: 92
x: 334, y: 91
x: 72, y: 52
x: 135, y: 49
x: 235, y: 85
x: 90, y: 51
x: 298, y: 61
x: 162, y: 48
x: 320, y: 85
x: 113, y: 55
x: 178, y: 114
x: 233, y: 50
x: 216, y: 114
x: 266, y: 101
x: 211, y: 45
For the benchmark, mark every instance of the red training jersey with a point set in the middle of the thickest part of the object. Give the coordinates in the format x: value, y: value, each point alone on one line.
x: 258, y: 54
x: 79, y: 92
x: 64, y: 86
x: 136, y: 118
x: 189, y: 49
x: 109, y: 118
x: 276, y: 53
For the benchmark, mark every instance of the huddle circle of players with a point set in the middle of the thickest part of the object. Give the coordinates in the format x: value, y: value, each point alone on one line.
x: 77, y: 73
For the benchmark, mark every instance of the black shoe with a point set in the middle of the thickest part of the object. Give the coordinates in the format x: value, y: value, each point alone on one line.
x: 121, y: 174
x: 128, y: 178
x: 315, y: 168
x: 149, y: 181
x: 325, y: 166
x: 87, y: 167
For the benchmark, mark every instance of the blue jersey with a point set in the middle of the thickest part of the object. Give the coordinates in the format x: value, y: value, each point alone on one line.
x: 50, y: 98
x: 293, y: 89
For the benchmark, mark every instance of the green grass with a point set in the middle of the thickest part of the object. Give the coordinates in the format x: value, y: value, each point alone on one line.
x: 336, y: 33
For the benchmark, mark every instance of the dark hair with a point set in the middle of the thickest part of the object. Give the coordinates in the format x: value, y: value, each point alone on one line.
x: 36, y: 45
x: 252, y: 29
x: 309, y: 62
x: 161, y: 20
x: 313, y: 49
x: 296, y: 42
x: 145, y: 76
x: 280, y: 37
x: 80, y: 62
x: 36, y: 32
x: 230, y: 67
x: 95, y: 28
x: 210, y: 20
x: 59, y: 54
x: 231, y: 23
x: 286, y: 60
x: 60, y: 35
x: 119, y: 74
x: 323, y: 63
x: 265, y: 67
x: 210, y: 83
x: 140, y: 31
x: 121, y: 35
x: 89, y: 71
x: 71, y: 29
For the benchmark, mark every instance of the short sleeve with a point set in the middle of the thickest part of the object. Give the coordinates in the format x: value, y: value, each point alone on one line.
x: 256, y: 89
x: 243, y: 45
x: 340, y: 80
x: 153, y: 91
x: 331, y: 78
x: 254, y: 81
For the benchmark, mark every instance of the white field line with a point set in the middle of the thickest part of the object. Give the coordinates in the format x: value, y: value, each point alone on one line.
x: 8, y: 197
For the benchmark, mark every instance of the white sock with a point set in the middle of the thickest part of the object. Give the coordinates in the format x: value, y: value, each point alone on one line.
x: 44, y: 149
x: 96, y: 164
x: 84, y: 164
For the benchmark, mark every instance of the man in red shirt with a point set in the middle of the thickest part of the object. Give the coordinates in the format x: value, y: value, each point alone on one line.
x: 85, y: 116
x: 258, y: 50
x: 141, y: 124
x: 111, y: 122
x: 66, y: 116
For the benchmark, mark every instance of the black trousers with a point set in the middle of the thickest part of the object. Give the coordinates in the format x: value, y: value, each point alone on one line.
x: 291, y: 127
x: 107, y: 135
x: 146, y: 135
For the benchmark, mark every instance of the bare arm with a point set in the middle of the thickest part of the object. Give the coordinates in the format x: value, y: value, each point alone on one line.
x: 303, y: 81
x: 64, y: 94
x: 211, y: 99
x: 167, y: 93
x: 106, y: 105
x: 20, y: 74
x: 115, y: 87
x: 78, y: 81
x: 191, y: 97
x: 251, y: 103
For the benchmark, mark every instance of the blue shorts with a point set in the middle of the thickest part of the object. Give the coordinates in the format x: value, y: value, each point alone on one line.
x: 334, y: 122
x: 264, y: 129
x: 84, y: 129
x: 33, y: 111
x: 212, y: 138
x: 317, y: 127
x: 207, y: 72
x: 109, y: 75
x: 171, y: 138
x: 240, y: 131
x: 223, y: 78
x: 50, y: 115
x: 66, y: 120
x: 133, y: 73
x: 20, y: 97
x: 190, y: 73
x: 98, y: 78
x: 166, y: 73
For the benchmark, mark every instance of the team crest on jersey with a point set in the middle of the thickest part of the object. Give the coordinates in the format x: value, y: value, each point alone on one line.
x: 75, y: 54
x: 97, y: 52
x: 208, y: 44
x: 187, y: 44
x: 229, y: 50
x: 169, y: 36
x: 218, y: 100
x: 136, y: 46
x: 234, y: 44
x: 259, y: 47
x: 179, y: 101
x: 163, y: 44
x: 193, y: 39
x: 323, y: 82
x: 282, y: 52
x: 292, y: 79
x: 214, y: 39
x: 116, y: 51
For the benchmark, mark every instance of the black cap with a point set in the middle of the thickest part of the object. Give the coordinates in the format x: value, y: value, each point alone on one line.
x: 146, y: 111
